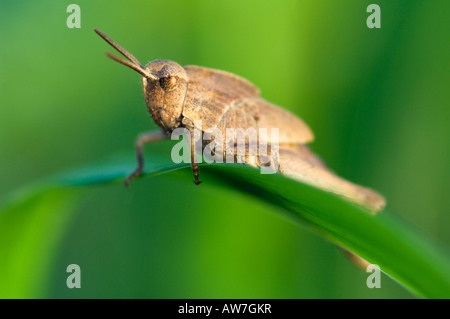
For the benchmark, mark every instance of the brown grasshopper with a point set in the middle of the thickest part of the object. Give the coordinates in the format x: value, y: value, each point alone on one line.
x: 178, y: 96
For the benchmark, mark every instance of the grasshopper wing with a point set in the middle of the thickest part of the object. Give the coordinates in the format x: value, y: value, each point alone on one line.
x: 211, y: 93
x: 260, y: 114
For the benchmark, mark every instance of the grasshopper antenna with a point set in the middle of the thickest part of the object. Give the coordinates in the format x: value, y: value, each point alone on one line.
x: 133, y: 63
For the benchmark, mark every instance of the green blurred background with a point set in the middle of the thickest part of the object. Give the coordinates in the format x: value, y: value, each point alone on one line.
x: 377, y: 100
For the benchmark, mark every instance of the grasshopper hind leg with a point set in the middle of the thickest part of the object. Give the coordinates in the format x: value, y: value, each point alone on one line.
x: 298, y: 162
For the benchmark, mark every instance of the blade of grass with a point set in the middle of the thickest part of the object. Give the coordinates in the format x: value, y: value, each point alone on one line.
x: 401, y: 251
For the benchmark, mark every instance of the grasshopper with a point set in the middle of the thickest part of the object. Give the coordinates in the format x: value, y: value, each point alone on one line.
x: 177, y: 97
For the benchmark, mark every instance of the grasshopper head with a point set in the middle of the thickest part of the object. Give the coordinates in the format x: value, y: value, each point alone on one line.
x: 165, y: 95
x: 164, y: 83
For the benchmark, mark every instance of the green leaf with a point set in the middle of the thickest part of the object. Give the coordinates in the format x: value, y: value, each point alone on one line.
x: 33, y: 220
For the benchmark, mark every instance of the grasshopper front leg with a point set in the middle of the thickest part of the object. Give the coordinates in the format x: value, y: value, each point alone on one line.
x: 194, y: 163
x: 143, y: 139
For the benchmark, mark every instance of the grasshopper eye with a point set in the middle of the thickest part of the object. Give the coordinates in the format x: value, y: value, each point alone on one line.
x: 169, y: 83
